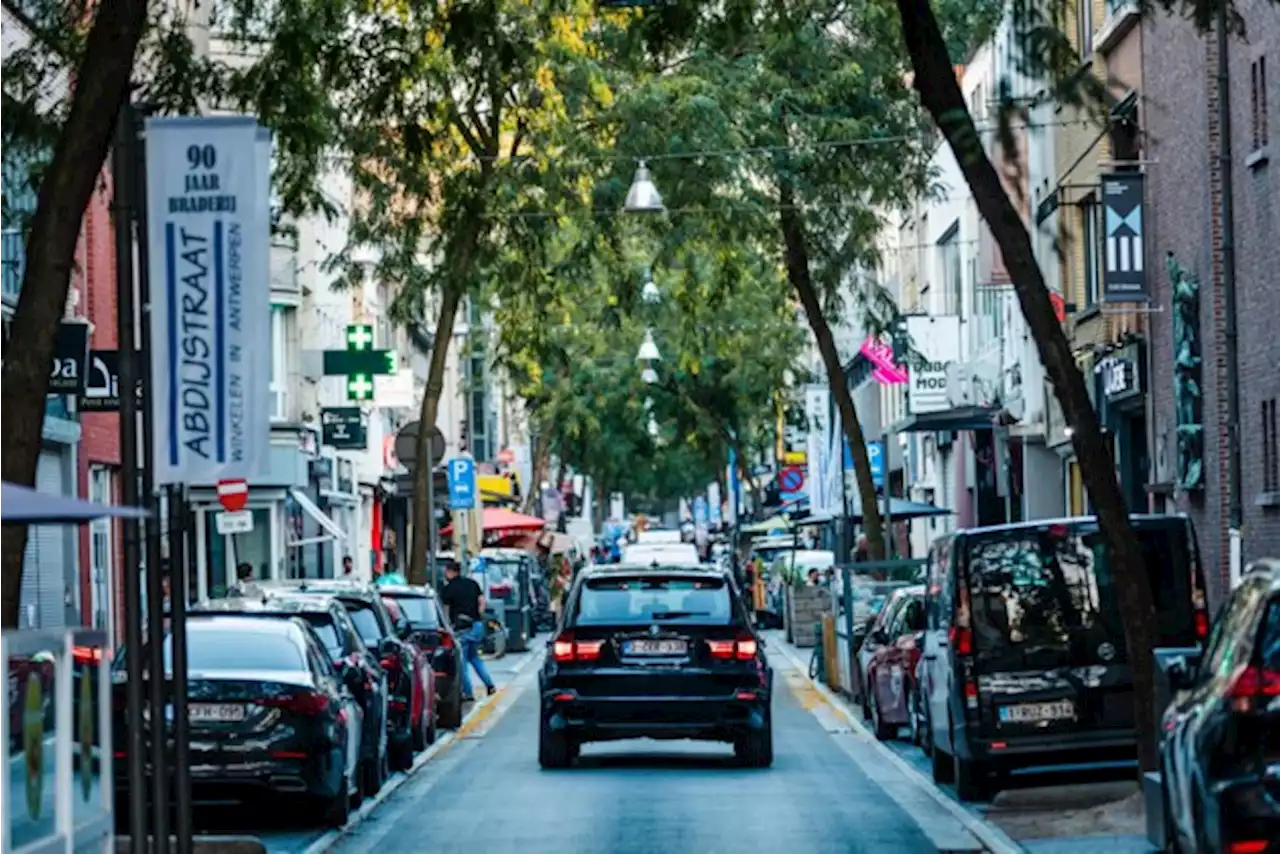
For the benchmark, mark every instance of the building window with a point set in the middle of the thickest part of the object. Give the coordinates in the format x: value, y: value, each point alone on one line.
x: 951, y: 269
x: 1084, y: 29
x: 1091, y: 258
x: 281, y: 326
x: 101, y: 545
x: 1270, y: 447
x: 1258, y: 103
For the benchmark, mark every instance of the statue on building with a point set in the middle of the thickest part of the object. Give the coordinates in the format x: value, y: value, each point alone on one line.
x: 1188, y: 401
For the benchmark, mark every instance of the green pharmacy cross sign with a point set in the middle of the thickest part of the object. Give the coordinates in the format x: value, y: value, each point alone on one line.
x: 359, y: 363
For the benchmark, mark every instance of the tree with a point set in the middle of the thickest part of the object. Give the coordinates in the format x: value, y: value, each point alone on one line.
x: 63, y: 132
x: 1050, y: 57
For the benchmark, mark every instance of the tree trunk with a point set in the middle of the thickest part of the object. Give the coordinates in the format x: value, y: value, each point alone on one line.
x: 797, y: 249
x: 101, y: 85
x: 541, y: 460
x: 422, y: 469
x: 935, y: 80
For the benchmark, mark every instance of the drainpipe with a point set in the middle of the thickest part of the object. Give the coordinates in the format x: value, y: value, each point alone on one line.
x: 1232, y: 333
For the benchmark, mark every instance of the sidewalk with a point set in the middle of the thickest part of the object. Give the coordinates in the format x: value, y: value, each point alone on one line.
x: 1041, y: 819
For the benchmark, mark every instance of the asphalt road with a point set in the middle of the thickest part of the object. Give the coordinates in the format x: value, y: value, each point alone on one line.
x: 828, y: 791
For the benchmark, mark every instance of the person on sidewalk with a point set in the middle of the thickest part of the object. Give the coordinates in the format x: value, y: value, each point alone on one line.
x: 464, y: 600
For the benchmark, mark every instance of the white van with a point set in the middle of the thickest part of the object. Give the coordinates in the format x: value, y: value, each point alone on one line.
x: 665, y: 554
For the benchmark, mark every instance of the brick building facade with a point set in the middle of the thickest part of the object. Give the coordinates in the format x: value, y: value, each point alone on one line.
x: 98, y: 462
x: 1184, y: 192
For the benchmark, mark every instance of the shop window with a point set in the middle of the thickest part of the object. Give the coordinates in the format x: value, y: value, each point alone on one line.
x: 1270, y: 447
x: 224, y: 553
x: 101, y: 544
x: 1091, y: 254
x: 281, y: 364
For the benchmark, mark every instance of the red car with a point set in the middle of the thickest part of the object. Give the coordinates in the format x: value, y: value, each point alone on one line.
x: 888, y: 659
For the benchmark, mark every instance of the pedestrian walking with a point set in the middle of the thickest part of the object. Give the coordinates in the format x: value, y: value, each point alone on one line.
x: 464, y: 600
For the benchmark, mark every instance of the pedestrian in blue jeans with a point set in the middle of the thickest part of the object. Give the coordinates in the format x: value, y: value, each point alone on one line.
x: 464, y: 600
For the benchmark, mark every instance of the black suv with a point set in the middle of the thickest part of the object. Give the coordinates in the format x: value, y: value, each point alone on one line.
x: 410, y: 723
x: 359, y: 667
x: 655, y: 652
x: 429, y: 629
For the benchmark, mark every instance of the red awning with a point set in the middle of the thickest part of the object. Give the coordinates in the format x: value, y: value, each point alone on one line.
x: 502, y: 519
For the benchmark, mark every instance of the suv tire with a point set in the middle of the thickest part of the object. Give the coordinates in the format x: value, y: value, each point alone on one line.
x: 754, y: 749
x: 555, y: 750
x: 942, y: 766
x: 972, y: 783
x: 449, y: 714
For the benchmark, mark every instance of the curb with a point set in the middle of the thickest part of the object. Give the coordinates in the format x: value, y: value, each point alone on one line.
x: 993, y: 838
x: 487, y: 709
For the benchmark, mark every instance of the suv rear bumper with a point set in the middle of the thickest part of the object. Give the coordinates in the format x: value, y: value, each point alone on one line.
x: 1022, y: 751
x: 608, y: 718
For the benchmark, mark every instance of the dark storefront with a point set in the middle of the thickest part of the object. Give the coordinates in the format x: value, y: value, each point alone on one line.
x: 1121, y: 392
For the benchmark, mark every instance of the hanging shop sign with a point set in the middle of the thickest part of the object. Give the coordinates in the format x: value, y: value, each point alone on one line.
x: 1124, y: 278
x: 937, y: 340
x: 1120, y: 374
x: 209, y: 224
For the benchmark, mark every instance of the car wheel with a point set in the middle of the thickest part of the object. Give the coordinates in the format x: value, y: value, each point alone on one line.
x: 450, y: 711
x: 372, y: 770
x: 555, y: 750
x: 913, y: 717
x: 971, y: 780
x: 884, y: 732
x: 926, y: 732
x: 338, y: 810
x: 429, y: 731
x: 420, y: 733
x: 401, y: 753
x: 754, y: 749
x: 942, y: 767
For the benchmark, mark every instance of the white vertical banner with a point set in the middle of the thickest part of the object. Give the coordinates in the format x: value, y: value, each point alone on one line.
x: 715, y: 504
x: 817, y: 404
x: 937, y: 338
x: 209, y: 231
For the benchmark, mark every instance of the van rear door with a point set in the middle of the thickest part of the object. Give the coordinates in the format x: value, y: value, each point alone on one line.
x: 1049, y: 647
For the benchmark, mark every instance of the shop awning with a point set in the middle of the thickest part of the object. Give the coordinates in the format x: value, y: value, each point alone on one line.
x: 958, y: 418
x: 331, y: 529
x: 774, y: 524
x: 502, y: 519
x: 23, y: 504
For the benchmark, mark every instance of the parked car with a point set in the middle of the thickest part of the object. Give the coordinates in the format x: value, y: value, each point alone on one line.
x: 664, y: 653
x: 269, y: 716
x: 411, y: 719
x: 360, y: 668
x: 891, y: 651
x: 1024, y: 653
x: 879, y: 623
x: 508, y: 573
x: 1220, y: 756
x: 428, y: 628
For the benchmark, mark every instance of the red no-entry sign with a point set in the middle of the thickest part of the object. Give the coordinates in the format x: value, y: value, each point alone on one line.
x: 233, y: 495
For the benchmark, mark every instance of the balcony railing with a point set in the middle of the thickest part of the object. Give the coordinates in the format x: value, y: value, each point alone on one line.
x: 993, y: 308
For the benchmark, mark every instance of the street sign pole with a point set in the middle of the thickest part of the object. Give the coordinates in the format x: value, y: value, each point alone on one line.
x: 124, y: 203
x: 432, y: 532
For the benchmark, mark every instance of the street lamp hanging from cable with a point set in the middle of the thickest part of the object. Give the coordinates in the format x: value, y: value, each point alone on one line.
x: 648, y: 349
x: 650, y: 376
x: 650, y: 294
x: 643, y: 197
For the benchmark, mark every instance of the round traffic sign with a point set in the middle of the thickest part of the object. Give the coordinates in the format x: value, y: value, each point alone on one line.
x: 407, y: 445
x: 233, y: 494
x: 791, y: 479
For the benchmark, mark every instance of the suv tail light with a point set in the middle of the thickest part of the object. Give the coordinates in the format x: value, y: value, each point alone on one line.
x: 307, y: 703
x: 446, y: 640
x: 741, y: 648
x: 1251, y: 684
x: 567, y: 648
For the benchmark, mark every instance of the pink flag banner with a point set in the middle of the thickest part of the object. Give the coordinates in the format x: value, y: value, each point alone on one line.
x: 880, y: 355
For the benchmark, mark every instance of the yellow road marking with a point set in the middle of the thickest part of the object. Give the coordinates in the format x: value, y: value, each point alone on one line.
x: 480, y: 715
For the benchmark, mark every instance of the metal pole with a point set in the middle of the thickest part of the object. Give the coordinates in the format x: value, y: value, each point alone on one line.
x: 1232, y: 334
x: 178, y: 566
x: 432, y: 546
x: 122, y: 204
x: 155, y: 582
x: 843, y: 531
x: 889, y: 550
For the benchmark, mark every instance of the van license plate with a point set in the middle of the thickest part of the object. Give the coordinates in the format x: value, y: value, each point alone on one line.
x: 1038, y: 712
x: 654, y: 647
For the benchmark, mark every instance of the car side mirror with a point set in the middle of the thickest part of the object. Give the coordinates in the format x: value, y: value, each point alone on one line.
x: 1181, y: 674
x: 389, y: 646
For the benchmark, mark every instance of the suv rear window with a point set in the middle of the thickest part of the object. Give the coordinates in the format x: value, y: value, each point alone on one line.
x: 650, y: 598
x: 418, y: 610
x: 366, y: 621
x: 1045, y: 597
x: 327, y: 632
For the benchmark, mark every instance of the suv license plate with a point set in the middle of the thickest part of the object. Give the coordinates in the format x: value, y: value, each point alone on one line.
x: 1038, y: 712
x: 215, y: 713
x: 654, y: 647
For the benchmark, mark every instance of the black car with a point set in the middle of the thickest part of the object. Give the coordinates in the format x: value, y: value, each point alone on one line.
x: 655, y: 652
x: 1024, y: 661
x: 1220, y: 756
x: 269, y: 715
x: 359, y: 667
x: 411, y: 719
x: 429, y: 629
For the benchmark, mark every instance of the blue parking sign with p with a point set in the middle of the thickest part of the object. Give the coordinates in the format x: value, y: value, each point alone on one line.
x: 875, y: 458
x: 462, y: 483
